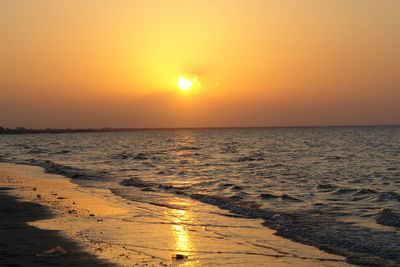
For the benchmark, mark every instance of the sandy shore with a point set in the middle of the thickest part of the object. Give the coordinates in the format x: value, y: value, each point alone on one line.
x: 40, y: 211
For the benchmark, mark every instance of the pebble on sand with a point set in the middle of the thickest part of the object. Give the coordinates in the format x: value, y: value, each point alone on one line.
x: 179, y: 257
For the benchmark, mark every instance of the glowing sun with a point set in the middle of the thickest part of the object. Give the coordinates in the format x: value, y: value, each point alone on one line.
x: 184, y: 83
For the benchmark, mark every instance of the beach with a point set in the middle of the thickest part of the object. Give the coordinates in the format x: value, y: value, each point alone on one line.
x: 200, y: 133
x: 41, y: 211
x: 39, y: 214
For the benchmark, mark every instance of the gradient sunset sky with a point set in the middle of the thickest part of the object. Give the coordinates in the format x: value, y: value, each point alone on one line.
x: 98, y: 63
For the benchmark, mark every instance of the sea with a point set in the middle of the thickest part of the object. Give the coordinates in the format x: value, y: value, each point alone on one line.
x: 343, y: 174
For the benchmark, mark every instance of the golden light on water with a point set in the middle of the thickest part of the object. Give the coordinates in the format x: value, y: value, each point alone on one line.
x: 182, y: 239
x: 182, y: 235
x: 180, y: 219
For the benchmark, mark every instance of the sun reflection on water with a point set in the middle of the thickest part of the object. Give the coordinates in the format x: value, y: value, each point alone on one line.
x: 182, y: 239
x: 180, y: 231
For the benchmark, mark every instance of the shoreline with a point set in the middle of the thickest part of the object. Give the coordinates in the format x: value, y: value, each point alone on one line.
x: 54, y: 211
x: 105, y: 228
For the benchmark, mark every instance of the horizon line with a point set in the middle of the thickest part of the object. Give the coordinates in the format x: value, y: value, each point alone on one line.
x: 121, y: 129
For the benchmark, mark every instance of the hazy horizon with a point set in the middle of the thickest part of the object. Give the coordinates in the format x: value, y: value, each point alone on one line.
x: 94, y: 64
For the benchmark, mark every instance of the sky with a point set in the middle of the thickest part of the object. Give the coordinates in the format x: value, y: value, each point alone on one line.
x: 98, y: 63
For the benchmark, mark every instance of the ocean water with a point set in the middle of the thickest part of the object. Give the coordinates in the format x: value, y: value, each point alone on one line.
x: 347, y: 173
x: 320, y: 186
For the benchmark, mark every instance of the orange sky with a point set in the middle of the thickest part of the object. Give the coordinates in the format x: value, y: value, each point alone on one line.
x: 260, y: 63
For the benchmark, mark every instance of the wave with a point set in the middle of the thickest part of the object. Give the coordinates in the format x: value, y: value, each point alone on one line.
x: 37, y: 151
x: 67, y: 171
x: 388, y: 196
x: 148, y: 164
x: 267, y: 196
x: 284, y: 197
x: 166, y: 172
x: 388, y: 217
x: 368, y: 194
x: 126, y: 155
x: 365, y: 191
x: 344, y: 191
x: 249, y: 158
x: 61, y: 152
x: 229, y: 150
x: 136, y: 182
x: 326, y: 187
x: 184, y: 148
x: 334, y: 158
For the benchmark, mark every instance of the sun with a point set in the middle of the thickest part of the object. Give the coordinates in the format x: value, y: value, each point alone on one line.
x: 184, y: 83
x: 189, y: 84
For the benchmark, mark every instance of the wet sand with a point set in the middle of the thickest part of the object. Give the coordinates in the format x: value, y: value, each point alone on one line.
x: 40, y: 211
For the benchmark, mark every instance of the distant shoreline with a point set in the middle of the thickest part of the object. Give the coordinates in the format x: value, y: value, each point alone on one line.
x: 22, y: 130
